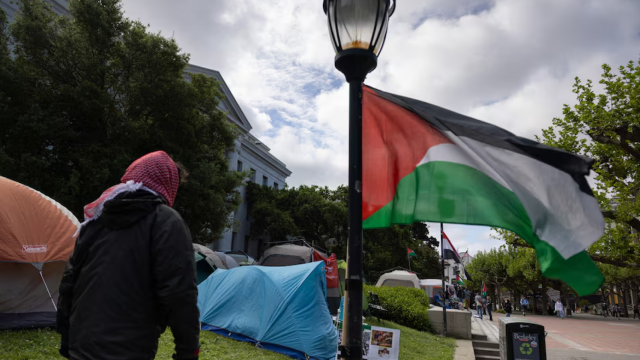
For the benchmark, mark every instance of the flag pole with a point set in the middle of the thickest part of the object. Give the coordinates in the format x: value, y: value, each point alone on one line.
x: 409, y: 258
x: 444, y: 289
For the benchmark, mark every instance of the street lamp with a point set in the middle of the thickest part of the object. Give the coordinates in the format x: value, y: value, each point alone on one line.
x: 358, y: 29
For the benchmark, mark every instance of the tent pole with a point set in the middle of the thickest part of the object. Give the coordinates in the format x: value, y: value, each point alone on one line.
x: 49, y: 292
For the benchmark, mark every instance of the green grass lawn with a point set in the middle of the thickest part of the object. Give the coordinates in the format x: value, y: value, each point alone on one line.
x: 42, y: 344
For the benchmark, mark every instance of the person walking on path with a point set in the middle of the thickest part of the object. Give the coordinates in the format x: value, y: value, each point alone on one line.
x: 507, y: 308
x: 560, y: 309
x: 605, y: 309
x: 467, y: 298
x: 524, y: 304
x: 636, y: 311
x: 615, y: 311
x: 586, y: 309
x: 132, y: 271
x: 479, y: 305
x: 488, y: 307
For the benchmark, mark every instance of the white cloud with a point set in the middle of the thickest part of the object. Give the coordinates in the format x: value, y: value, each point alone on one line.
x: 260, y: 122
x: 511, y: 63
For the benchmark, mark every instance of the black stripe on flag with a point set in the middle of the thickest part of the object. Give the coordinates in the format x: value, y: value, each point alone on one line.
x: 466, y: 275
x: 577, y: 166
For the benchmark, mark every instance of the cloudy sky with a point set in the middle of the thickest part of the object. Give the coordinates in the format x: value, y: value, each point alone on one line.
x: 511, y: 63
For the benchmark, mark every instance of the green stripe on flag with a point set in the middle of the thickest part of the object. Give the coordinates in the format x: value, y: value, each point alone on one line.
x: 439, y: 191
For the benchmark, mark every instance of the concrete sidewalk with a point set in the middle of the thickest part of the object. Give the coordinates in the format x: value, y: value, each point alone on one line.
x: 464, y: 350
x: 583, y: 336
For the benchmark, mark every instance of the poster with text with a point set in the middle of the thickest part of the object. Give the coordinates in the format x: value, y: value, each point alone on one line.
x: 385, y: 344
x: 378, y: 343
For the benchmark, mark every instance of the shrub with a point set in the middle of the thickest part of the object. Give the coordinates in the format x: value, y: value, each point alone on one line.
x: 405, y: 306
x: 500, y: 311
x: 584, y: 302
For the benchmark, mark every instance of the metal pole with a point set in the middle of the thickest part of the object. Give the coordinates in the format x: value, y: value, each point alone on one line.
x: 409, y: 258
x: 444, y: 289
x: 48, y: 292
x: 352, y: 325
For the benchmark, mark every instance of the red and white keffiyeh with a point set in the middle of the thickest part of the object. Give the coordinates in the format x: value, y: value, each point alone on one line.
x: 154, y: 172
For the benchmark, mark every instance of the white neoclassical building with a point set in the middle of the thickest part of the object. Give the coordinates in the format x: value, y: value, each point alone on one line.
x: 249, y: 154
x: 11, y: 7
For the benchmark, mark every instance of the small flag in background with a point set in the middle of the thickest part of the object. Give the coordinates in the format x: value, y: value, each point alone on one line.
x: 484, y: 289
x: 467, y: 276
x: 411, y: 253
x: 459, y: 280
x: 449, y: 251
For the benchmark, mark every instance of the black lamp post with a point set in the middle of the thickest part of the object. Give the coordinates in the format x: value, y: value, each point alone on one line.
x: 358, y: 29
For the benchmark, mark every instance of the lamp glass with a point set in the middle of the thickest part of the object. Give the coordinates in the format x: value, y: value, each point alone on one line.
x: 358, y: 24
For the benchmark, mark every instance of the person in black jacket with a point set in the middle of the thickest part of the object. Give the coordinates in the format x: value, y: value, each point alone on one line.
x: 132, y: 272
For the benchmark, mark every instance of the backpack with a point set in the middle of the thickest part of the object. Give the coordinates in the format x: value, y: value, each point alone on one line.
x: 484, y: 301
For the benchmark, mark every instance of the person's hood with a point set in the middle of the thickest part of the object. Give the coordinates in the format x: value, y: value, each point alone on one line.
x: 129, y: 208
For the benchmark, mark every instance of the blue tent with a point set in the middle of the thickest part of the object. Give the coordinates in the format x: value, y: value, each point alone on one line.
x: 282, y: 309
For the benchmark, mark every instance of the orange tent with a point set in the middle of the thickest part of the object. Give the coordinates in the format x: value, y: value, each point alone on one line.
x: 36, y: 240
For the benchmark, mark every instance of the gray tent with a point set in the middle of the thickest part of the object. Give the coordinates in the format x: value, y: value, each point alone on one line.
x: 207, y: 261
x: 288, y: 254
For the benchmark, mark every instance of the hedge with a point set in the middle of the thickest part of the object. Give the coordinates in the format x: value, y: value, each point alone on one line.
x: 405, y: 306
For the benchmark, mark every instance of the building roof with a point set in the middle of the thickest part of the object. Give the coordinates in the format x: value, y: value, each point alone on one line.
x: 234, y: 113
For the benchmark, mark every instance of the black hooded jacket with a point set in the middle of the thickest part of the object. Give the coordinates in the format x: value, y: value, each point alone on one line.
x: 132, y: 274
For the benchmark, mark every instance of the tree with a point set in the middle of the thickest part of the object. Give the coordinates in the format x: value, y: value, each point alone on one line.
x: 81, y: 97
x: 606, y: 127
x: 319, y: 215
x: 490, y: 267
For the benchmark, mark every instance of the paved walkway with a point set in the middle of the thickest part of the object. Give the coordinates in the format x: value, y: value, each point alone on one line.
x: 586, y: 337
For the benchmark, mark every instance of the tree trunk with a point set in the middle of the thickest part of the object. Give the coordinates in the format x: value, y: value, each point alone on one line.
x: 624, y: 299
x: 545, y: 297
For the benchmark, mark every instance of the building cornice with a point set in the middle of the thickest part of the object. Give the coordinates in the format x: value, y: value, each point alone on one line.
x: 269, y: 159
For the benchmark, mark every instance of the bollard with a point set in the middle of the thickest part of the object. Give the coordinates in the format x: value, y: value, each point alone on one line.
x: 521, y: 339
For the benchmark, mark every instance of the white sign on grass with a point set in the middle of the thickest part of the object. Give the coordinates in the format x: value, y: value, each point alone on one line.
x: 378, y: 343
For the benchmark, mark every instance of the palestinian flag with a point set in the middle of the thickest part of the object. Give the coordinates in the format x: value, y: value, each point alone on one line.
x: 459, y: 279
x: 467, y: 276
x: 424, y: 163
x: 449, y: 251
x: 484, y: 290
x: 411, y: 253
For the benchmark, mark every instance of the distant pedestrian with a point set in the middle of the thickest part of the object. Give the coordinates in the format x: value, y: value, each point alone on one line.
x: 467, y: 298
x: 636, y: 311
x: 489, y: 306
x: 479, y: 305
x: 605, y: 309
x: 508, y: 308
x: 524, y: 305
x: 586, y: 309
x: 560, y: 309
x: 615, y: 311
x: 437, y: 298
